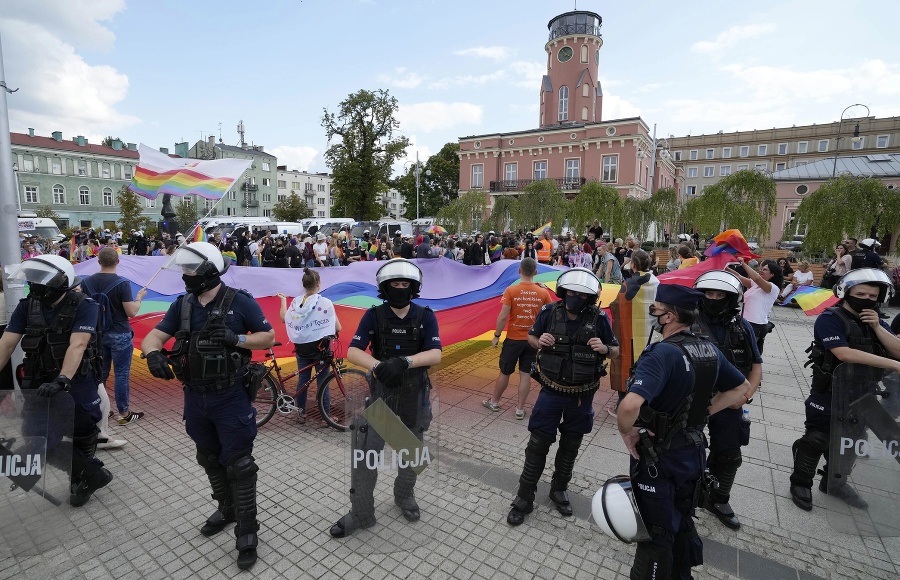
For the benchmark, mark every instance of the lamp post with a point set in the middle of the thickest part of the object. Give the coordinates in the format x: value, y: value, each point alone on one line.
x: 854, y: 139
x: 18, y: 195
x: 664, y: 153
x: 417, y: 171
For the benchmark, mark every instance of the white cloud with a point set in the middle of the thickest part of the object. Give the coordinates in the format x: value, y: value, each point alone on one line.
x: 491, y: 52
x: 729, y: 115
x: 300, y: 157
x: 467, y: 80
x: 433, y: 116
x: 402, y: 79
x: 529, y: 74
x: 615, y: 107
x: 731, y: 37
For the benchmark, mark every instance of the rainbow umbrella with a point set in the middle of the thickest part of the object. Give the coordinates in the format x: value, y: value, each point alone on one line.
x: 436, y: 229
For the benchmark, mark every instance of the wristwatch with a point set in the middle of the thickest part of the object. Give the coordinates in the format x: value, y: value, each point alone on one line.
x: 409, y: 361
x: 749, y: 400
x: 497, y: 334
x: 242, y: 338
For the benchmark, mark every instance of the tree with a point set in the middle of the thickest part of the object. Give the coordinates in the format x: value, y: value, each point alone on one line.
x: 186, y: 214
x: 503, y: 214
x: 637, y: 216
x: 108, y: 141
x: 665, y: 210
x: 45, y: 211
x: 847, y: 206
x: 600, y: 202
x: 131, y: 206
x: 438, y: 183
x: 362, y: 157
x: 291, y: 209
x: 465, y: 213
x: 540, y: 202
x: 744, y: 200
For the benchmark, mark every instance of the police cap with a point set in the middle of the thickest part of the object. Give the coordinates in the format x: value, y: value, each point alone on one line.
x: 677, y: 295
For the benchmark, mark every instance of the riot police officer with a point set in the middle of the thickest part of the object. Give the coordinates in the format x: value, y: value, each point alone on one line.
x: 720, y: 321
x: 211, y: 356
x: 574, y: 338
x: 57, y: 327
x: 403, y: 339
x: 851, y: 331
x: 661, y: 419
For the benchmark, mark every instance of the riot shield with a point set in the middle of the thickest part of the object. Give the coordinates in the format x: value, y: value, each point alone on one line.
x: 863, y: 469
x: 393, y: 486
x: 35, y: 467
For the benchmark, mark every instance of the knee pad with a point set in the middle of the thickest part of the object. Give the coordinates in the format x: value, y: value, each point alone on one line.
x: 540, y: 442
x: 242, y: 467
x: 726, y: 459
x: 570, y: 441
x: 651, y: 561
x: 816, y: 441
x: 207, y: 458
x: 86, y: 445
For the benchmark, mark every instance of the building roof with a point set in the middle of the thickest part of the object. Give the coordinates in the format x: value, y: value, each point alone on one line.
x: 248, y: 151
x: 568, y: 125
x: 882, y: 165
x: 25, y: 140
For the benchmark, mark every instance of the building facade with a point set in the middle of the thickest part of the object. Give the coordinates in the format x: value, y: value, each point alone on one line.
x: 313, y: 188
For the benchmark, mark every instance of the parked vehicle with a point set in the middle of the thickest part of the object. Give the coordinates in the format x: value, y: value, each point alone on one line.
x: 791, y: 244
x: 42, y: 227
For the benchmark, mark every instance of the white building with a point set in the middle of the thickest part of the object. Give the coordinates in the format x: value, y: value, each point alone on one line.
x: 313, y: 188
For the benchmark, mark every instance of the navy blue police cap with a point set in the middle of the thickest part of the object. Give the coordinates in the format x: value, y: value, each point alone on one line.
x: 677, y: 295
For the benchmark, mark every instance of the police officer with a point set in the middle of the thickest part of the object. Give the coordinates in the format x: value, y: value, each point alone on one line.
x: 57, y: 327
x: 661, y: 420
x: 720, y: 321
x: 210, y: 356
x: 403, y: 339
x: 866, y: 257
x: 574, y: 338
x: 851, y: 331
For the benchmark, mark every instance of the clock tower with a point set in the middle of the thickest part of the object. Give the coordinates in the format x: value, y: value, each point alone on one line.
x: 570, y: 91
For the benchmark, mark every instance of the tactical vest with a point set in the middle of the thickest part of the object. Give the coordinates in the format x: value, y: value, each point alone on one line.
x: 206, y: 364
x: 823, y: 362
x: 736, y: 347
x: 45, y: 345
x: 393, y: 337
x: 857, y: 259
x: 571, y: 366
x: 693, y: 412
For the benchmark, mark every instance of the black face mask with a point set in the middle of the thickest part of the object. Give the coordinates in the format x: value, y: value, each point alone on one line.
x: 657, y: 325
x: 398, y: 297
x: 860, y: 304
x: 46, y: 295
x: 197, y: 285
x: 575, y: 303
x: 715, y: 308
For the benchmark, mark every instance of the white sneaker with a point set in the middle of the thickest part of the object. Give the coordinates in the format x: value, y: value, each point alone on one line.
x: 108, y: 443
x: 520, y: 414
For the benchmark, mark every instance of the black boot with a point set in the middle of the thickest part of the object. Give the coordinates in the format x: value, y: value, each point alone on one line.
x: 242, y: 475
x: 535, y: 459
x: 404, y: 496
x: 807, y: 452
x: 88, y: 473
x: 565, y: 462
x: 362, y: 485
x: 724, y: 466
x: 843, y: 491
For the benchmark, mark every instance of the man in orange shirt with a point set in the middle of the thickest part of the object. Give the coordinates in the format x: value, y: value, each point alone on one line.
x: 521, y: 304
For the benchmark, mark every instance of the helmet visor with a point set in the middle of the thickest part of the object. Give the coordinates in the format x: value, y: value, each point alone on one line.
x: 185, y: 260
x: 37, y: 272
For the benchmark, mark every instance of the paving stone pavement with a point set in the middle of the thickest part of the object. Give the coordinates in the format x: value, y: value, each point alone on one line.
x: 145, y: 523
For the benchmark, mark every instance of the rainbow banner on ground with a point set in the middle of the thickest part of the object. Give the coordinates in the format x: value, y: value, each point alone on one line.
x: 157, y: 173
x: 544, y: 228
x: 811, y: 299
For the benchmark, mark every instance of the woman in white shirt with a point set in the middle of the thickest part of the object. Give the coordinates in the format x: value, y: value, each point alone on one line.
x: 310, y: 320
x: 802, y: 277
x: 762, y: 290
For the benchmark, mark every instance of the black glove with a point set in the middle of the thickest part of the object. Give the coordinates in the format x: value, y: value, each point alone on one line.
x: 223, y: 335
x: 60, y: 383
x: 390, y: 372
x: 159, y: 365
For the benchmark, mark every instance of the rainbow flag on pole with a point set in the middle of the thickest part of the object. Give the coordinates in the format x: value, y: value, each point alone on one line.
x: 199, y: 234
x: 544, y: 228
x: 157, y: 173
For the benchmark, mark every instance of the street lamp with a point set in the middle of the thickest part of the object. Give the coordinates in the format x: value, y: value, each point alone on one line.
x: 418, y: 172
x: 854, y: 139
x: 661, y: 145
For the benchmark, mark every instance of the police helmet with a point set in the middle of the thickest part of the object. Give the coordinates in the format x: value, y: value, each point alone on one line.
x: 400, y: 269
x: 872, y: 276
x: 199, y: 258
x: 616, y: 512
x: 869, y: 244
x: 719, y: 280
x: 579, y: 280
x: 47, y: 270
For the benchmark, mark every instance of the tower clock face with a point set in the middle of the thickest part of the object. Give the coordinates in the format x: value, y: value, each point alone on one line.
x: 565, y: 53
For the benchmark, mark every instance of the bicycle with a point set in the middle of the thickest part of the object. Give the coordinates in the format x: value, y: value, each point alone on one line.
x: 350, y: 389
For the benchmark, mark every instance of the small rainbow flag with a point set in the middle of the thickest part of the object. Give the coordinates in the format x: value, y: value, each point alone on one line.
x: 157, y: 173
x: 544, y: 228
x: 199, y: 234
x: 811, y: 299
x: 230, y: 256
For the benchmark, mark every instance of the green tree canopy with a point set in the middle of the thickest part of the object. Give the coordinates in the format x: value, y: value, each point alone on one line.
x: 45, y: 211
x: 186, y: 214
x: 540, y: 202
x: 503, y: 214
x: 291, y: 209
x: 665, y: 209
x: 600, y: 202
x: 744, y: 200
x: 130, y: 206
x: 465, y: 213
x: 436, y: 189
x: 108, y: 141
x: 847, y: 206
x: 364, y: 150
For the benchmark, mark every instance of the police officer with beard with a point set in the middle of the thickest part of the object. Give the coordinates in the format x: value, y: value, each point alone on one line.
x: 850, y: 332
x: 57, y: 327
x: 720, y: 321
x: 211, y: 356
x: 574, y: 338
x: 404, y: 342
x: 661, y: 419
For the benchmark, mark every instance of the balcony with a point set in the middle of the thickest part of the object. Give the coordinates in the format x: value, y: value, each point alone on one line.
x: 564, y: 183
x: 251, y: 203
x: 249, y: 187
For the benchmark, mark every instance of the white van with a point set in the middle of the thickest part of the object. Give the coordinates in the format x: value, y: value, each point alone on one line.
x: 41, y: 227
x: 279, y: 228
x: 383, y: 227
x: 419, y: 225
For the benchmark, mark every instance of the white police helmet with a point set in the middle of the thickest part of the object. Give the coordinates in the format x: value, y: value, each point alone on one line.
x: 616, y: 512
x: 199, y: 258
x: 872, y: 276
x: 869, y: 244
x: 398, y: 269
x: 579, y: 280
x: 719, y: 280
x: 47, y: 270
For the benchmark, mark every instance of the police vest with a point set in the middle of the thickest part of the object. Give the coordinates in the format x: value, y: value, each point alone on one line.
x: 207, y: 364
x: 693, y: 412
x: 393, y: 337
x: 859, y: 337
x: 543, y: 253
x: 45, y: 345
x: 857, y: 259
x: 736, y: 347
x: 571, y: 366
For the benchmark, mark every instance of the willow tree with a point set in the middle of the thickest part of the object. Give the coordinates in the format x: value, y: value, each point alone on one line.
x: 503, y: 214
x: 744, y: 200
x: 599, y: 202
x: 540, y: 202
x: 464, y: 213
x: 847, y: 206
x: 665, y: 209
x: 637, y: 217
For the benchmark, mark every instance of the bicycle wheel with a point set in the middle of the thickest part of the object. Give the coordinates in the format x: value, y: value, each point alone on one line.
x: 266, y: 398
x: 347, y: 390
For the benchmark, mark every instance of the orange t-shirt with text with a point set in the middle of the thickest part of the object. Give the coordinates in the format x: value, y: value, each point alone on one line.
x: 525, y: 301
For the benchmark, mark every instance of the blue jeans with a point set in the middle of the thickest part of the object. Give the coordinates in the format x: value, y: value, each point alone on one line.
x: 117, y: 349
x: 300, y: 397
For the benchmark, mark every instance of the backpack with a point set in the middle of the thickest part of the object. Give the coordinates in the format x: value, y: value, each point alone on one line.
x: 105, y: 321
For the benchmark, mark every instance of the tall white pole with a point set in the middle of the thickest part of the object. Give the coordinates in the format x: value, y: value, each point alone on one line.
x: 418, y: 171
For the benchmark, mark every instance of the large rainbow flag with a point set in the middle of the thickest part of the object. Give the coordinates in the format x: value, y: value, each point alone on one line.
x: 812, y: 299
x: 540, y: 231
x: 157, y: 173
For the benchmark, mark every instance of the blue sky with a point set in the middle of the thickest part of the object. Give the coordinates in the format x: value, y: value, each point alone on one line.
x: 163, y: 71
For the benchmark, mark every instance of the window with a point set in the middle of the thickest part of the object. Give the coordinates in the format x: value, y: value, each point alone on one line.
x: 858, y: 144
x: 282, y: 197
x: 84, y: 195
x: 31, y: 194
x: 584, y: 113
x: 107, y: 196
x: 690, y: 190
x: 81, y: 168
x: 477, y: 176
x: 710, y: 153
x: 762, y: 150
x: 309, y: 200
x: 823, y: 145
x: 267, y: 213
x: 882, y: 141
x: 56, y: 166
x: 128, y: 172
x: 678, y: 156
x: 709, y: 171
x: 28, y: 163
x: 692, y: 172
x: 510, y: 171
x: 782, y: 148
x: 761, y: 166
x: 563, y: 103
x: 610, y: 168
x: 726, y: 152
x: 573, y: 172
x: 724, y: 170
x: 799, y: 163
x: 321, y: 201
x: 742, y: 167
x: 321, y: 187
x: 540, y: 170
x: 309, y: 186
x: 803, y: 147
x: 693, y: 155
x: 59, y: 194
x: 584, y: 53
x: 321, y: 213
x: 745, y: 150
x: 152, y: 203
x: 585, y: 90
x: 780, y: 166
x: 252, y: 181
x: 104, y: 171
x: 267, y: 182
x: 295, y: 185
x: 282, y: 184
x: 265, y: 165
x: 267, y: 198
